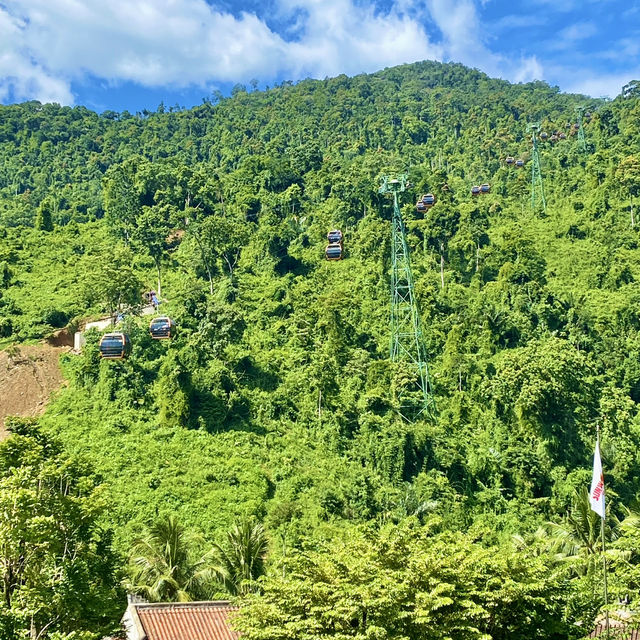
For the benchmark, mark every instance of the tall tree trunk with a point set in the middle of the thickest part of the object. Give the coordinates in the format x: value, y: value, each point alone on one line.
x: 284, y: 551
x: 157, y: 261
x: 206, y: 262
x: 8, y: 580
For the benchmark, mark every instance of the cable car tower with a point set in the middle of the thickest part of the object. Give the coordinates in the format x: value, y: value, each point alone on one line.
x: 537, y: 188
x: 406, y: 332
x: 582, y: 143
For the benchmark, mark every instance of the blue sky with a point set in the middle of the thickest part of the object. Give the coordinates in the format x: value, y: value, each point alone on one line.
x: 134, y: 54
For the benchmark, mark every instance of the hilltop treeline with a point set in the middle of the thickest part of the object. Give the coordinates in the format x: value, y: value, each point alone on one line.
x: 276, y: 401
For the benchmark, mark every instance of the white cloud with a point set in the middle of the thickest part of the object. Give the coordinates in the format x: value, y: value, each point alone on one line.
x: 562, y: 6
x: 464, y: 41
x: 603, y: 85
x: 529, y: 69
x: 339, y: 37
x: 623, y: 49
x: 460, y: 25
x: 21, y: 77
x: 578, y: 31
x: 519, y: 21
x: 47, y: 44
x: 152, y: 42
x: 568, y: 38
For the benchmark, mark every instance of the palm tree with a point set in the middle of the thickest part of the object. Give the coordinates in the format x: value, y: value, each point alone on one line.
x: 577, y: 539
x: 240, y: 561
x: 163, y: 568
x: 625, y: 550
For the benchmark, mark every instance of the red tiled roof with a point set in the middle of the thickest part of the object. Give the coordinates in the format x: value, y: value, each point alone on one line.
x: 186, y: 621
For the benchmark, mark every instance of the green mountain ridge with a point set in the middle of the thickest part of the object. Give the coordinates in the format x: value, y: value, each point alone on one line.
x: 277, y: 398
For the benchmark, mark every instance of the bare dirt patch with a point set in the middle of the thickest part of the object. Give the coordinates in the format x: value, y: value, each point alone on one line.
x: 28, y: 376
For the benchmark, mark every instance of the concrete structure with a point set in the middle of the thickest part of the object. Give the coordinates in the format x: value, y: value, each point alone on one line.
x: 78, y: 341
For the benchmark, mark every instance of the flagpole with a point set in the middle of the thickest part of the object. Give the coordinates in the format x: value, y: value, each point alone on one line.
x: 604, y: 571
x: 604, y: 557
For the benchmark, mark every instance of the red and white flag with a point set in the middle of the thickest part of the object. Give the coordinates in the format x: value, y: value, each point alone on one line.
x: 596, y: 495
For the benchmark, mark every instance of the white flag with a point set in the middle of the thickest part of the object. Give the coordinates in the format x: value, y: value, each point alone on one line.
x: 596, y: 495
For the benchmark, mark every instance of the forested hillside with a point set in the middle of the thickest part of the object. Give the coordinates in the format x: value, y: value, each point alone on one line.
x: 276, y: 402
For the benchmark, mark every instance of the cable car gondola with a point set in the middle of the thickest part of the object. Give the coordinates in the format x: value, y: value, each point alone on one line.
x: 553, y: 138
x: 510, y: 160
x: 428, y: 199
x: 485, y: 188
x: 562, y: 135
x: 335, y: 236
x: 114, y: 346
x: 162, y: 328
x: 421, y: 207
x: 333, y: 252
x: 519, y: 163
x: 544, y: 135
x: 475, y: 190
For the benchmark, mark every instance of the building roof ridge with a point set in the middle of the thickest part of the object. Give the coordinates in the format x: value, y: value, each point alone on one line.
x: 192, y: 603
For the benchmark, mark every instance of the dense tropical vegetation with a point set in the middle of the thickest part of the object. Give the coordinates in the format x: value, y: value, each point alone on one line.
x: 270, y: 422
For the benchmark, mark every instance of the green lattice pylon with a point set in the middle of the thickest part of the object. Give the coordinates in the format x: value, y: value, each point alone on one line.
x: 407, y: 342
x: 582, y: 143
x: 537, y: 188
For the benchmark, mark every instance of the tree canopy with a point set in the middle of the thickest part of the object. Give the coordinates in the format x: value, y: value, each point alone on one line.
x: 276, y: 401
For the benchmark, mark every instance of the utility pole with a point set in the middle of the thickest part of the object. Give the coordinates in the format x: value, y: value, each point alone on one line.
x: 406, y: 332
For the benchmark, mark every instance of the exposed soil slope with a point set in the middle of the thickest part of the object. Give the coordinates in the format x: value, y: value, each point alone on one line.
x: 28, y: 376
